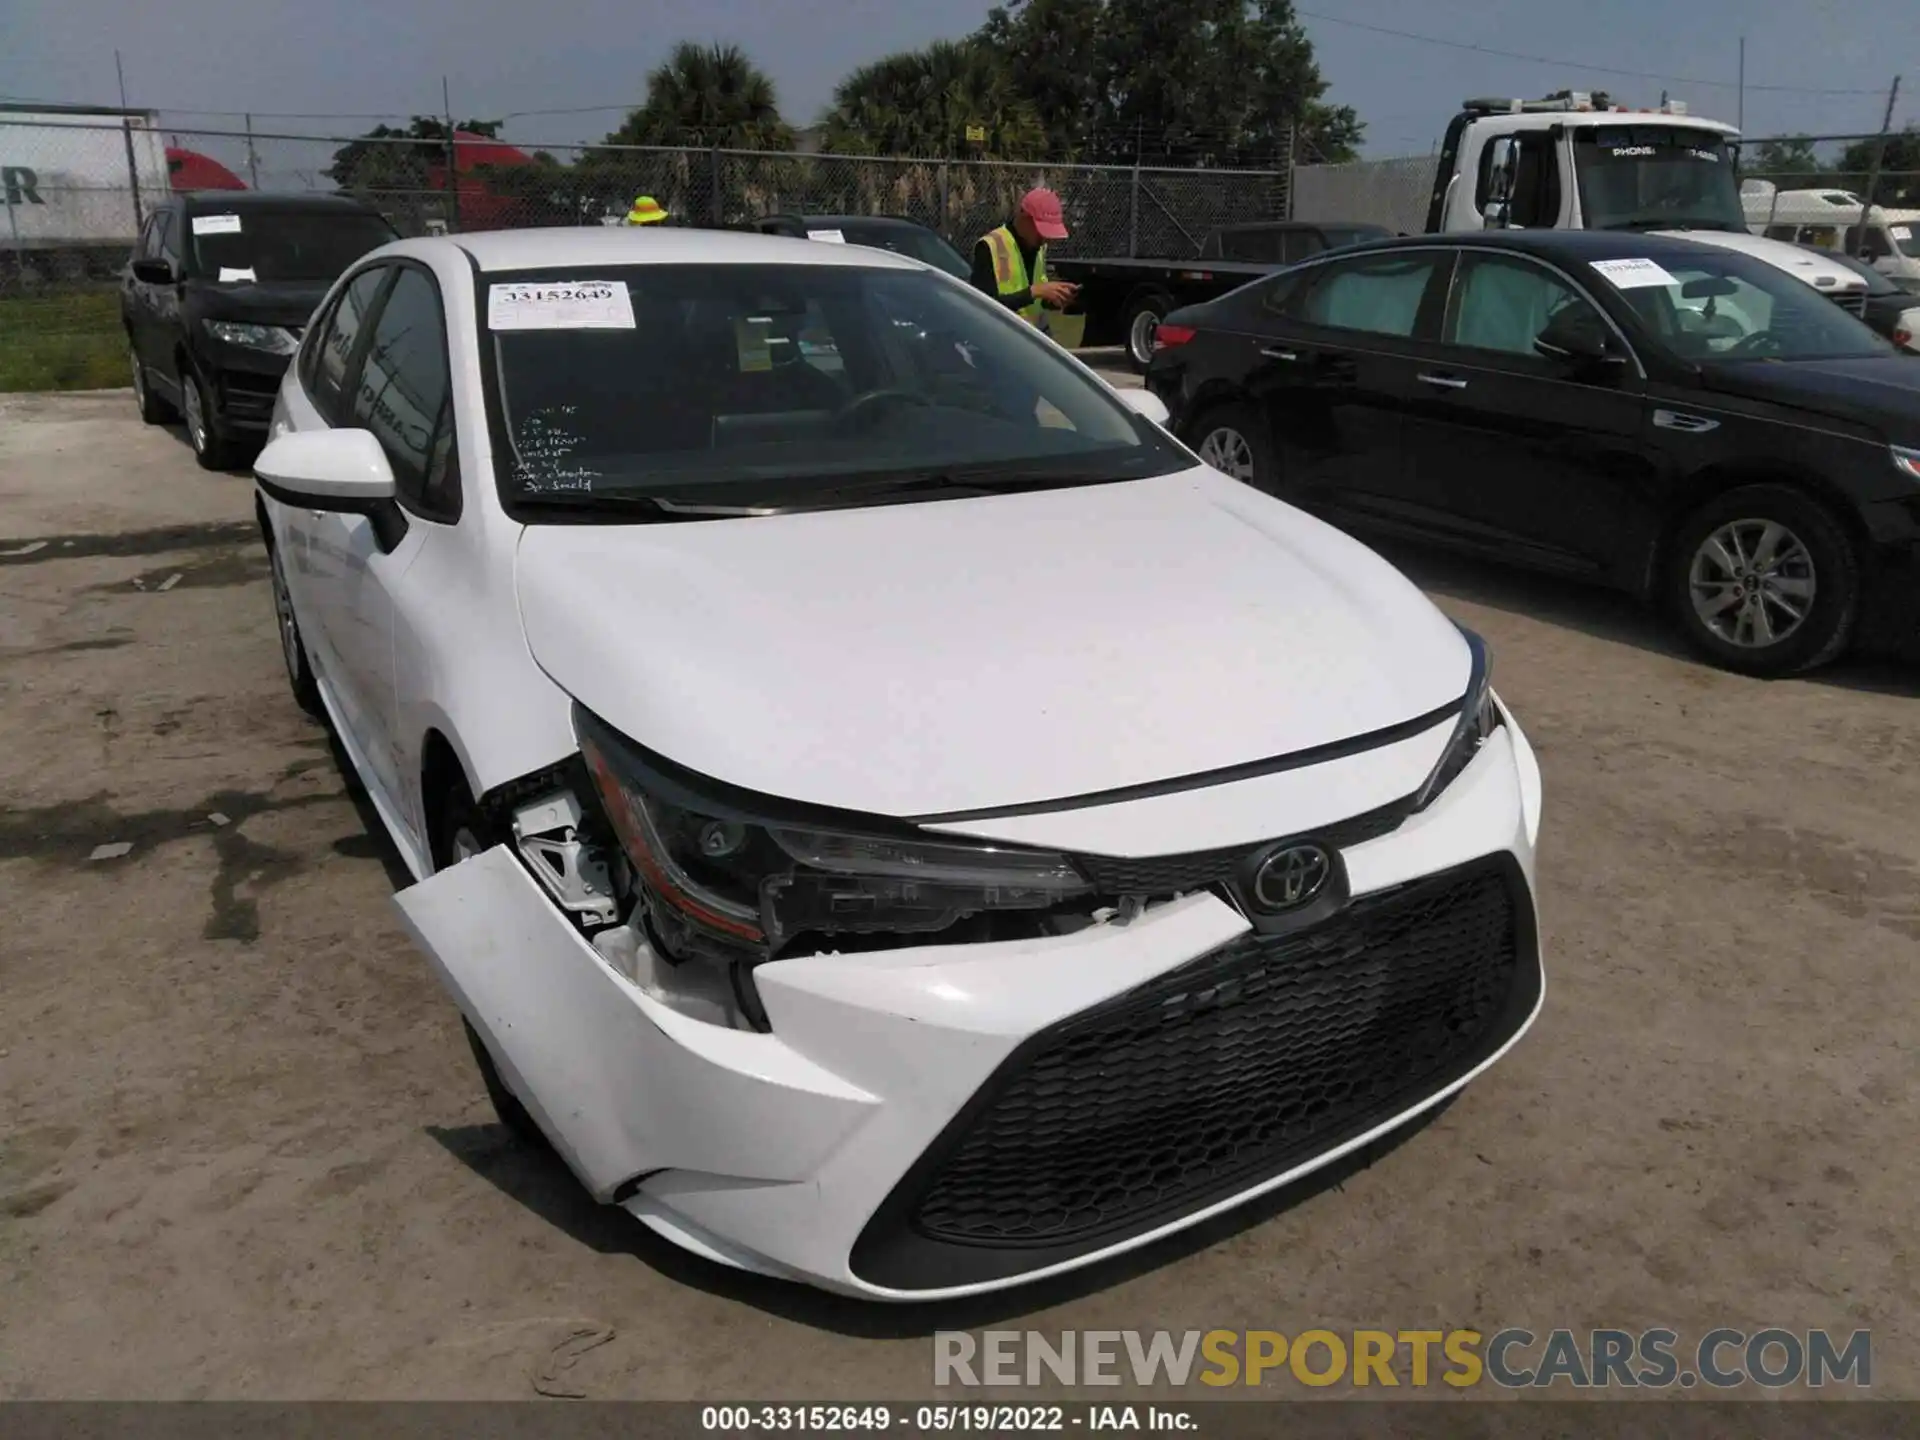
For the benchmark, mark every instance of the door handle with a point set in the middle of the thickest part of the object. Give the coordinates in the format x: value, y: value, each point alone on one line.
x: 1274, y: 353
x: 1445, y: 382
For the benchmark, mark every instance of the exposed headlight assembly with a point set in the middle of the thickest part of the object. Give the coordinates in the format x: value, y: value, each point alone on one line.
x: 274, y: 339
x: 1907, y: 461
x: 725, y: 884
x: 1479, y: 718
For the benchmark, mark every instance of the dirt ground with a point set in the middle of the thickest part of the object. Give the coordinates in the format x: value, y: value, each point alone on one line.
x: 244, y: 1151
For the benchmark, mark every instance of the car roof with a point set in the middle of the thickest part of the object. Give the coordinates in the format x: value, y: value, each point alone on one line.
x: 560, y: 248
x: 1564, y: 245
x: 227, y: 201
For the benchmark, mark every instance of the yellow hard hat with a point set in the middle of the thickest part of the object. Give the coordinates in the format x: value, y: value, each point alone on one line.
x: 646, y: 211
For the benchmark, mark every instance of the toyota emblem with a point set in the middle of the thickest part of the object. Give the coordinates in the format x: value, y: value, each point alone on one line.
x: 1291, y: 877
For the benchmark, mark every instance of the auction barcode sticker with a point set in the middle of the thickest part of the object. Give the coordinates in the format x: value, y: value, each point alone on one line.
x: 216, y: 224
x: 560, y: 305
x: 831, y: 237
x: 1632, y: 274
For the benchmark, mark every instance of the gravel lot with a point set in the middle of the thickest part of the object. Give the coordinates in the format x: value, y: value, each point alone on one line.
x: 244, y: 1151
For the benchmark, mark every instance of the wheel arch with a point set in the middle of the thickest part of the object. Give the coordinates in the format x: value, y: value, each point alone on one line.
x: 1715, y: 480
x: 440, y: 765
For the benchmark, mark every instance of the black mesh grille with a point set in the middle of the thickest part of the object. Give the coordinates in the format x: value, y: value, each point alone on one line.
x: 1242, y: 1064
x: 1852, y: 301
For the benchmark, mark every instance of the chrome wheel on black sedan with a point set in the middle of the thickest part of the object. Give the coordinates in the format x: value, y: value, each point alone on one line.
x: 1753, y: 582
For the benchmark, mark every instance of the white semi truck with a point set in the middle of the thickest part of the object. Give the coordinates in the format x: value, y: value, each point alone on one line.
x: 68, y: 179
x: 1576, y: 161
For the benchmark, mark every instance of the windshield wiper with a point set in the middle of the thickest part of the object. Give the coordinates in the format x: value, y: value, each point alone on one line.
x: 986, y: 481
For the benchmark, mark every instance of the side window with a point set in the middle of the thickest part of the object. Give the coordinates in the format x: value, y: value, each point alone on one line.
x: 1379, y: 295
x: 1876, y: 245
x: 405, y: 395
x: 1782, y: 232
x: 1277, y: 292
x: 1520, y: 181
x: 335, y: 342
x: 1504, y: 305
x: 167, y: 237
x: 146, y: 246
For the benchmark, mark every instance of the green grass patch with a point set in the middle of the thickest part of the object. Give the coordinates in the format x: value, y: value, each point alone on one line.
x: 70, y: 340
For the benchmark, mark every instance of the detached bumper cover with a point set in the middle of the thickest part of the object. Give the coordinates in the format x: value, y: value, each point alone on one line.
x: 940, y: 1120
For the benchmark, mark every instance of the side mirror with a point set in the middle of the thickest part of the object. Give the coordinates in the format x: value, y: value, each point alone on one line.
x: 1578, y: 338
x: 339, y: 470
x: 1494, y: 217
x: 1145, y: 402
x: 153, y: 272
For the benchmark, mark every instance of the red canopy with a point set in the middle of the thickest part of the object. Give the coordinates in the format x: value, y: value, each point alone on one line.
x: 190, y: 170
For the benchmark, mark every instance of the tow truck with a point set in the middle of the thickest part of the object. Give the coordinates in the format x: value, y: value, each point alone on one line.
x: 1574, y: 160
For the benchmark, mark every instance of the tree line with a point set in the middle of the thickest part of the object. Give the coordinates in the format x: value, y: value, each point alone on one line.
x: 1204, y: 84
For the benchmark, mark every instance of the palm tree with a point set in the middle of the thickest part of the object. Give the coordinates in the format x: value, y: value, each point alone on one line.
x: 922, y: 102
x: 708, y: 95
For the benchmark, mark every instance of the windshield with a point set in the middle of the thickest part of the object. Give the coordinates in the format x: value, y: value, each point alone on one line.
x: 908, y: 240
x: 780, y: 385
x: 1732, y: 307
x: 288, y: 245
x: 1656, y: 177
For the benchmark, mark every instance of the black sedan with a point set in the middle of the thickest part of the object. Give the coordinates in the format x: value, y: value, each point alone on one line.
x: 881, y: 232
x: 1681, y: 421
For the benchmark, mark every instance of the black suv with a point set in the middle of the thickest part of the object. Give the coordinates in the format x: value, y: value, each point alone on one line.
x: 215, y: 298
x: 1675, y: 419
x: 880, y: 232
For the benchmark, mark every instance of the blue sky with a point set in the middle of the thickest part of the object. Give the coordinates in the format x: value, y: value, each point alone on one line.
x: 508, y: 56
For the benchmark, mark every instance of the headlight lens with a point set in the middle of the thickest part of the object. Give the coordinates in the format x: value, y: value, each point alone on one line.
x: 1479, y: 718
x: 723, y: 883
x: 1907, y: 461
x: 272, y: 338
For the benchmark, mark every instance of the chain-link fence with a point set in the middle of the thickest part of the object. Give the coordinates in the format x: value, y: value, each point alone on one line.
x: 77, y: 187
x: 1855, y: 193
x: 1393, y: 192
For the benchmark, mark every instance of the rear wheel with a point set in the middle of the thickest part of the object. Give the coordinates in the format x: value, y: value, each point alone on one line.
x: 1233, y: 442
x: 1142, y: 323
x: 153, y: 410
x: 460, y: 832
x: 1763, y: 581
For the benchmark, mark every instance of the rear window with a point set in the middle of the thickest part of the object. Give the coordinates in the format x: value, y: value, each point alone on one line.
x: 247, y: 244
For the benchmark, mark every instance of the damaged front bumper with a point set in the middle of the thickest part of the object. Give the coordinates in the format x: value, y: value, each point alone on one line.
x: 939, y: 1120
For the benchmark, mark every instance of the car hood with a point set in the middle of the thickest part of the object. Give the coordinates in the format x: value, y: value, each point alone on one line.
x: 956, y: 655
x: 1796, y: 260
x: 1880, y: 391
x: 279, y: 302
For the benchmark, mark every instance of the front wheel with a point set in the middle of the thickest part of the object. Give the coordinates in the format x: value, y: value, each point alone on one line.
x: 459, y: 833
x: 293, y: 649
x: 1764, y: 581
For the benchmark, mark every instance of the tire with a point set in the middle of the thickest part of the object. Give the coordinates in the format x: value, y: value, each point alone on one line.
x: 1760, y: 561
x: 1232, y: 440
x: 1137, y: 326
x: 212, y: 447
x: 153, y: 410
x: 459, y: 830
x: 293, y: 648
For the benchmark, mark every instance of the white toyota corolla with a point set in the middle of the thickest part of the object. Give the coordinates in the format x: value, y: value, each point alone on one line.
x: 889, y: 816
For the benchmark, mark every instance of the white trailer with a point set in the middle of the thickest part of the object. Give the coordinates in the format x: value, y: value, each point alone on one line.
x: 69, y: 177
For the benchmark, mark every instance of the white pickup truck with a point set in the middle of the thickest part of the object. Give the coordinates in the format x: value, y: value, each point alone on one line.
x: 1575, y: 161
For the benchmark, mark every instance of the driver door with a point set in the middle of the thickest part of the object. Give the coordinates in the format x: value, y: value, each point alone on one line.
x: 1511, y: 451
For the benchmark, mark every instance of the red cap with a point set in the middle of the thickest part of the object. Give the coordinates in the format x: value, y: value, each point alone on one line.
x: 1042, y: 207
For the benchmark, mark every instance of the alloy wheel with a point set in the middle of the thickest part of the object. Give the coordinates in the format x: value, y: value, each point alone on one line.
x: 465, y: 844
x: 196, y: 415
x: 1227, y: 451
x: 1752, y: 583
